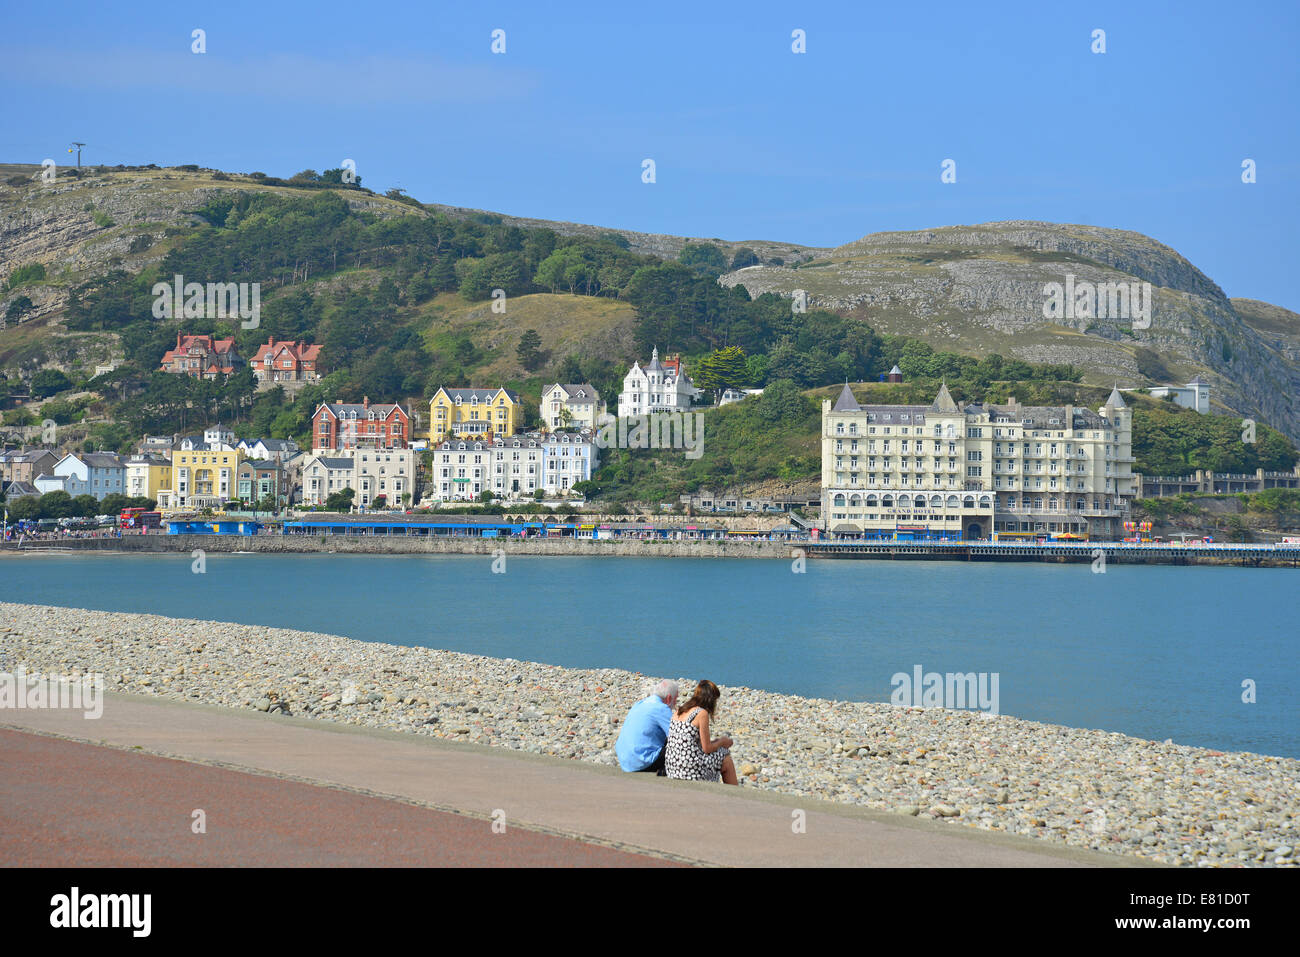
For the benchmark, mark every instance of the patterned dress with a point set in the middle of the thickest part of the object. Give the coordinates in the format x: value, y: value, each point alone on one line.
x: 684, y: 757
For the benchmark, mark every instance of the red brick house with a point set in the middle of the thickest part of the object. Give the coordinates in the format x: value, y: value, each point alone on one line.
x: 202, y: 357
x: 341, y: 426
x: 282, y: 360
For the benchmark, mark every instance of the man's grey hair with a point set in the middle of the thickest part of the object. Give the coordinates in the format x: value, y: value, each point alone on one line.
x: 666, y: 689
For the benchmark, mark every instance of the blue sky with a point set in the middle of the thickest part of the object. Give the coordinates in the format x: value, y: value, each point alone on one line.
x: 750, y: 140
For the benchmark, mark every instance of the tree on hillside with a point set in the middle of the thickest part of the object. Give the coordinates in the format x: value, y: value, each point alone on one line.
x: 569, y: 370
x: 570, y: 268
x: 529, y: 351
x: 48, y: 382
x: 17, y: 308
x: 705, y: 258
x: 722, y: 369
x: 507, y: 271
x: 782, y: 402
x: 336, y: 176
x: 19, y: 417
x: 744, y: 257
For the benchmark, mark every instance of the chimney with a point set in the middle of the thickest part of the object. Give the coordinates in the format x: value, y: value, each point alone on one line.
x: 365, y: 402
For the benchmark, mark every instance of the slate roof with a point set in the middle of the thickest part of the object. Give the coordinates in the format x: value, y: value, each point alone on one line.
x: 572, y: 389
x: 467, y: 393
x: 943, y: 401
x: 846, y: 402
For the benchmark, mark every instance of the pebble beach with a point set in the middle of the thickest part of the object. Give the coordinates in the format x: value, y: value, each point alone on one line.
x: 1164, y: 802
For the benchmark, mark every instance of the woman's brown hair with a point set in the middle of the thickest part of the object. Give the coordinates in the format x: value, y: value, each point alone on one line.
x: 705, y: 695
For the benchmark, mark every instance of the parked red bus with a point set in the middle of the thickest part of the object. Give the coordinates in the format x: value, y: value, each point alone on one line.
x: 139, y: 518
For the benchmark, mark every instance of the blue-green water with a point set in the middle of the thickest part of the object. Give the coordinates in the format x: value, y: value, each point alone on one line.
x: 1159, y: 652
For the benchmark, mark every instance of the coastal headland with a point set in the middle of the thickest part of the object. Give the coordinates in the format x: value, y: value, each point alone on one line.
x: 1160, y: 802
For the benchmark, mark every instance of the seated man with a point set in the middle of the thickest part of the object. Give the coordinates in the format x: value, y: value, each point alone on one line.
x: 640, y: 745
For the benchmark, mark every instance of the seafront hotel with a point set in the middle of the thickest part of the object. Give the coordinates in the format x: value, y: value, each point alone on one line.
x: 981, y: 470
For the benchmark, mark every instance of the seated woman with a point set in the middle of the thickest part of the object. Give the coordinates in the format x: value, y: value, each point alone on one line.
x: 690, y: 754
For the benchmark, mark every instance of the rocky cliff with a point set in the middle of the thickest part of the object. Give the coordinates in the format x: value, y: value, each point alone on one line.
x: 982, y: 289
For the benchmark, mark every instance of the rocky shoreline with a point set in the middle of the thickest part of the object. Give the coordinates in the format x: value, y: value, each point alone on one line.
x: 1164, y: 802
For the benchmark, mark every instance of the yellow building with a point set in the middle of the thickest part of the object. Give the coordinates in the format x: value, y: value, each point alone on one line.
x: 474, y: 413
x: 147, y: 476
x: 203, y: 476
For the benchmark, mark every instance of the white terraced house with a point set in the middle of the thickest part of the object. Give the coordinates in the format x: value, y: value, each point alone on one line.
x: 512, y: 466
x: 973, y: 471
x: 325, y: 473
x: 389, y: 473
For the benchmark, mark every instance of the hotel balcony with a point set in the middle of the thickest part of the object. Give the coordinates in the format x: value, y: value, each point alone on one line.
x: 1059, y: 512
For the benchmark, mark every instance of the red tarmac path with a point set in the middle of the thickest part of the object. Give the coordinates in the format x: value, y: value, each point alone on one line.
x: 298, y: 791
x: 103, y: 807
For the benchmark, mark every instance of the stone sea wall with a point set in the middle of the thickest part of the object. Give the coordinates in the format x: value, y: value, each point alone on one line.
x: 385, y: 545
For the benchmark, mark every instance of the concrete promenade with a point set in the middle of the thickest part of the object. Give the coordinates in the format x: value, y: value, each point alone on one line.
x: 1248, y: 555
x: 436, y: 800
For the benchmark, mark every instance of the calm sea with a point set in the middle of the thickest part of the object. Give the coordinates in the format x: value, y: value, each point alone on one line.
x: 1158, y: 652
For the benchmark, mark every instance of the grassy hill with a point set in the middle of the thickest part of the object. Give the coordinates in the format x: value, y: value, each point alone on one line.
x: 398, y: 293
x: 567, y: 325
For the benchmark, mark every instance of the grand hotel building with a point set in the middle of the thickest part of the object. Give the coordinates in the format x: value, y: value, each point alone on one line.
x: 945, y: 471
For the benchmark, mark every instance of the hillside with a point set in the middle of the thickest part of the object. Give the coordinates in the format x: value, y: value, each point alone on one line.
x: 979, y: 290
x: 414, y: 305
x: 567, y: 325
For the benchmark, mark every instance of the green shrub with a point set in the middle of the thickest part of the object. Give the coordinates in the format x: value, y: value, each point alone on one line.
x: 32, y: 272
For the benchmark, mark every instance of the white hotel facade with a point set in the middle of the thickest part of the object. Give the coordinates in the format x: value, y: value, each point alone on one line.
x: 513, y: 466
x: 947, y: 471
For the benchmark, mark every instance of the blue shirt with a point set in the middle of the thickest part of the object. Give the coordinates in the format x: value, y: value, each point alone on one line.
x: 644, y: 734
